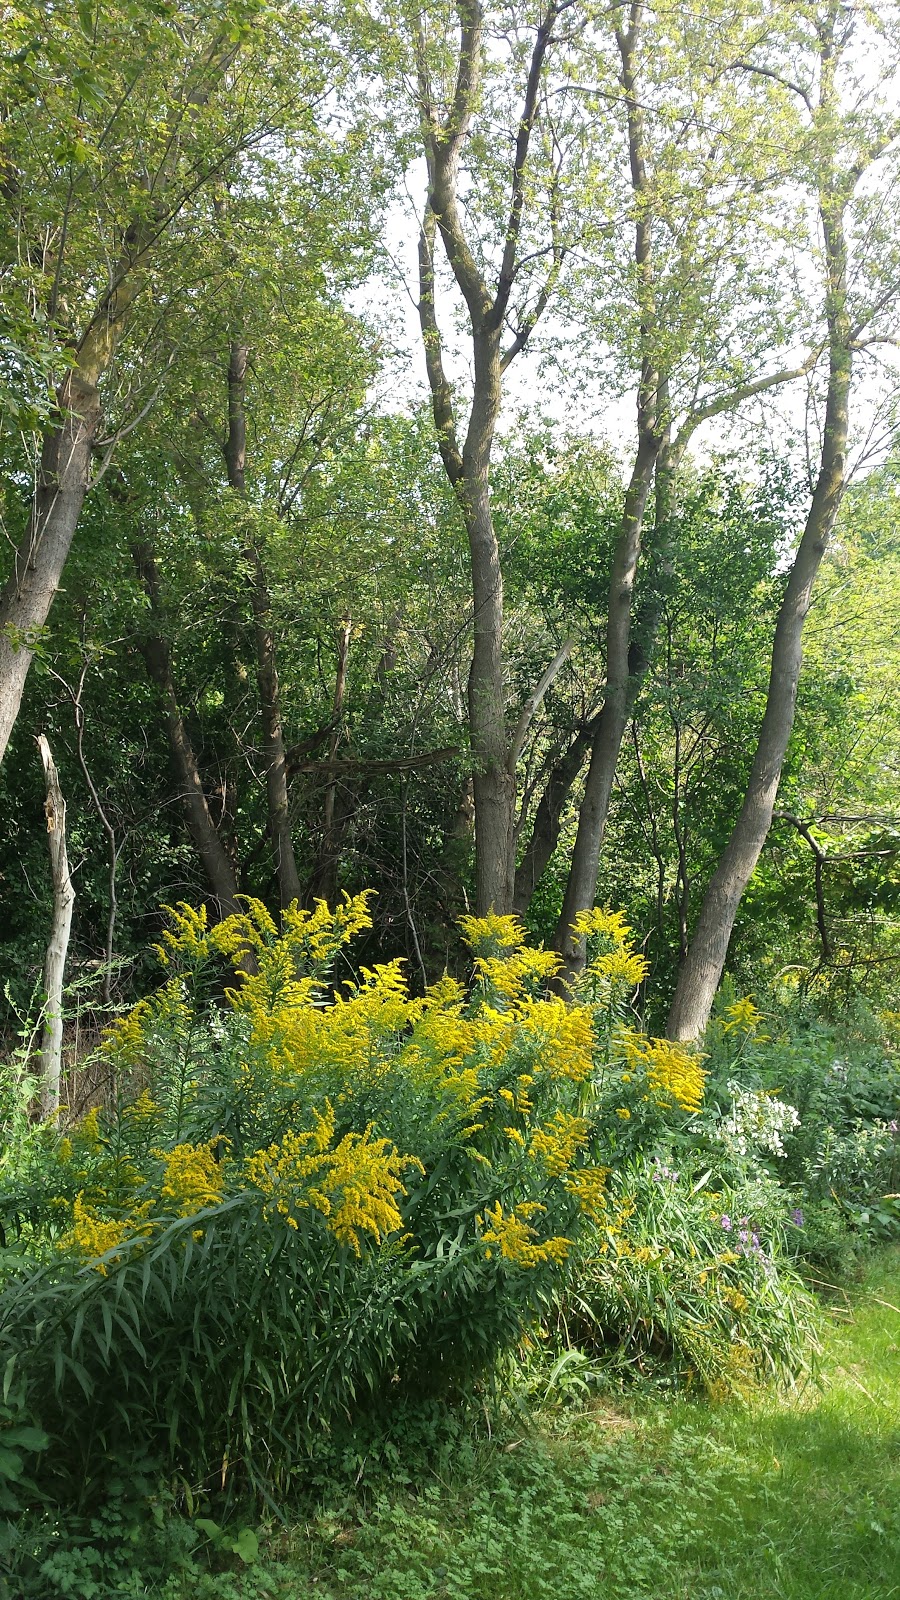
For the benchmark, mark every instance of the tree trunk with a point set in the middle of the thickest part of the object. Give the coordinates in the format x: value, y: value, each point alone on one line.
x: 621, y: 691
x: 274, y: 753
x: 155, y: 650
x: 468, y: 469
x: 58, y: 943
x: 621, y: 683
x: 494, y: 786
x: 323, y: 883
x: 700, y: 974
x: 548, y: 816
x: 38, y: 564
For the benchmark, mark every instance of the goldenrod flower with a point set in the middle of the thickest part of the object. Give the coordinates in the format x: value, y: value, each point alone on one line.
x: 193, y: 1178
x: 516, y: 1237
x: 557, y: 1144
x: 743, y: 1015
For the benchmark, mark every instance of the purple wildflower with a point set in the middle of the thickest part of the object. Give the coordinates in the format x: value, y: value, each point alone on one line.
x: 797, y: 1218
x: 743, y: 1236
x: 726, y: 1222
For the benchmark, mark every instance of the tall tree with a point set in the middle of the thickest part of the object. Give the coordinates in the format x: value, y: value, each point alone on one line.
x: 122, y: 118
x: 693, y: 295
x: 843, y: 146
x: 490, y: 309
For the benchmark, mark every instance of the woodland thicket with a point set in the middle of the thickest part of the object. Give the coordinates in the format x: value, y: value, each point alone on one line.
x: 450, y: 481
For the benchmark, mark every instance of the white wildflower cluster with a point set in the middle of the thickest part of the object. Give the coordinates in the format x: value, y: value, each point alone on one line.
x: 756, y: 1121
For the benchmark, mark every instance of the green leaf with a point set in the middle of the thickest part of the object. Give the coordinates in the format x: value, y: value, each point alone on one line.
x: 246, y: 1545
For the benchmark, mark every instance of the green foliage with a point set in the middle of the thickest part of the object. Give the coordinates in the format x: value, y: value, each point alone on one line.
x: 690, y: 1283
x: 838, y: 1155
x: 295, y: 1208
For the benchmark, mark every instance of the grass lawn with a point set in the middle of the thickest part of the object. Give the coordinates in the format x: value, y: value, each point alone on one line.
x: 781, y: 1501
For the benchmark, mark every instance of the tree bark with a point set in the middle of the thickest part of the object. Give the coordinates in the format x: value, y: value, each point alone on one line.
x: 58, y: 943
x: 274, y: 753
x: 38, y: 564
x: 64, y: 469
x: 468, y: 468
x: 548, y: 816
x: 621, y: 683
x: 323, y: 883
x: 700, y: 974
x: 155, y: 650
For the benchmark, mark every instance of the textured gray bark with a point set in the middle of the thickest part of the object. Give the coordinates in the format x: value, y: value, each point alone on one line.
x: 38, y: 564
x: 468, y: 467
x: 621, y: 683
x: 702, y: 970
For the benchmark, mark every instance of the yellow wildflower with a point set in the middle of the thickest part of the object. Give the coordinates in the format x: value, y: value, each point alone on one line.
x: 601, y: 921
x: 620, y: 966
x: 513, y: 975
x: 516, y: 1237
x: 354, y: 1186
x: 672, y: 1072
x: 588, y: 1184
x: 557, y: 1144
x: 735, y: 1299
x: 90, y: 1236
x: 492, y: 935
x: 187, y: 936
x: 675, y: 1072
x: 193, y: 1178
x: 624, y: 1113
x: 743, y: 1015
x: 144, y: 1111
x: 87, y: 1131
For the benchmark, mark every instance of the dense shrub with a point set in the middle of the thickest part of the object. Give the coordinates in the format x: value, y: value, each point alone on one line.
x: 837, y: 1151
x: 297, y: 1202
x: 690, y: 1282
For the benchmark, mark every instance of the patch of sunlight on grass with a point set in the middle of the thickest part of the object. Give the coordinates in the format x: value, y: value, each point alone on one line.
x: 779, y: 1501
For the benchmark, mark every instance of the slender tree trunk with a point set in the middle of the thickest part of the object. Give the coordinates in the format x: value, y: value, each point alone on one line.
x: 274, y: 754
x: 468, y: 468
x: 494, y: 786
x: 548, y: 816
x: 155, y: 650
x: 58, y: 944
x: 112, y: 843
x: 621, y: 682
x: 621, y: 691
x: 700, y: 974
x: 38, y: 564
x: 323, y: 885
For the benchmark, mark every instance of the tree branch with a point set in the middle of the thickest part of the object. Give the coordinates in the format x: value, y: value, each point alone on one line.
x: 526, y: 716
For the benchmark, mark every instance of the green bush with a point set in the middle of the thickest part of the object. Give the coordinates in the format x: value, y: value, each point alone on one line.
x: 689, y: 1282
x: 297, y: 1205
x: 839, y: 1157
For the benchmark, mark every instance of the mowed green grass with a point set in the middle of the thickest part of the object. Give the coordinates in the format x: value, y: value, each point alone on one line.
x: 780, y: 1501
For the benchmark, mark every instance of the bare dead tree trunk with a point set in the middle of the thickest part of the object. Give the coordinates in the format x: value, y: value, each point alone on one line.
x: 700, y: 974
x: 58, y: 943
x: 274, y: 753
x: 155, y: 650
